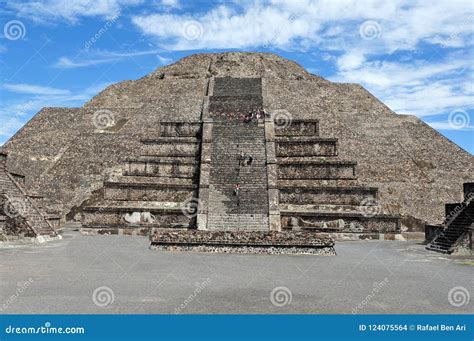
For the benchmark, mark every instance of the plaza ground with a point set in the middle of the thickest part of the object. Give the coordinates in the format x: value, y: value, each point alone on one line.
x: 364, y: 277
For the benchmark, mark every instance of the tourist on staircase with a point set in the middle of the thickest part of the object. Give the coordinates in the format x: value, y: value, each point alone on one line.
x: 237, y: 193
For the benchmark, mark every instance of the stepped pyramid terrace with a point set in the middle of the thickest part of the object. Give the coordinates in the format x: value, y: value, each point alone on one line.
x: 239, y: 152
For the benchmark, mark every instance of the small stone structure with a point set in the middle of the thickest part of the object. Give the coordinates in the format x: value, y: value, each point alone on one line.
x: 270, y: 242
x: 22, y: 215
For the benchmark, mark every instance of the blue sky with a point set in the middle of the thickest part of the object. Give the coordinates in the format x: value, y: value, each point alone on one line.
x: 416, y: 56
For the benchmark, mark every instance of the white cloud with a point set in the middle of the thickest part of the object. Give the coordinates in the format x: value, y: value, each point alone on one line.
x: 170, y: 3
x: 69, y: 10
x: 9, y: 127
x: 15, y: 113
x: 303, y: 23
x: 34, y: 89
x: 445, y: 125
x: 67, y: 63
x: 421, y: 87
x: 90, y: 58
x: 351, y: 60
x: 426, y: 84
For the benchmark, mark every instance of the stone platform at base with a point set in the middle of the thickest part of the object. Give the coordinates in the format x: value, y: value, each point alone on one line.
x: 268, y: 242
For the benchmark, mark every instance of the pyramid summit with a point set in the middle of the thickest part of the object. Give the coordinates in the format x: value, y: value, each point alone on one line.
x: 325, y: 157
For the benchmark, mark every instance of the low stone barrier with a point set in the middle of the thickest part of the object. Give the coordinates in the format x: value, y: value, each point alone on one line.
x: 270, y: 242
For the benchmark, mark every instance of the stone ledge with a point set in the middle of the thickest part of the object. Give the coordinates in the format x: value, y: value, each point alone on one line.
x: 238, y: 238
x: 328, y: 188
x: 165, y: 186
x: 157, y: 176
x: 316, y: 162
x: 169, y: 140
x: 303, y: 139
x: 336, y: 214
x: 137, y: 208
x: 304, y: 120
x: 163, y: 160
x: 242, y: 249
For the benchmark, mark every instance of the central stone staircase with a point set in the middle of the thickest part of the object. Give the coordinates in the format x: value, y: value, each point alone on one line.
x: 233, y: 138
x: 249, y: 209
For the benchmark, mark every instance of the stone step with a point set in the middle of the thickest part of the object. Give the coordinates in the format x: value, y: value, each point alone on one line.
x: 180, y: 129
x: 310, y: 169
x: 149, y: 192
x: 357, y: 222
x: 285, y: 125
x: 305, y: 146
x: 300, y: 195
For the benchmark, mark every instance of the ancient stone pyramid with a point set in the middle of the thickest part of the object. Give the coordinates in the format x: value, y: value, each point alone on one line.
x: 326, y: 156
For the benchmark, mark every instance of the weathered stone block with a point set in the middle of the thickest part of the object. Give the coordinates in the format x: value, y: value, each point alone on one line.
x: 270, y: 151
x: 274, y: 220
x: 273, y: 200
x: 205, y: 173
x: 202, y: 221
